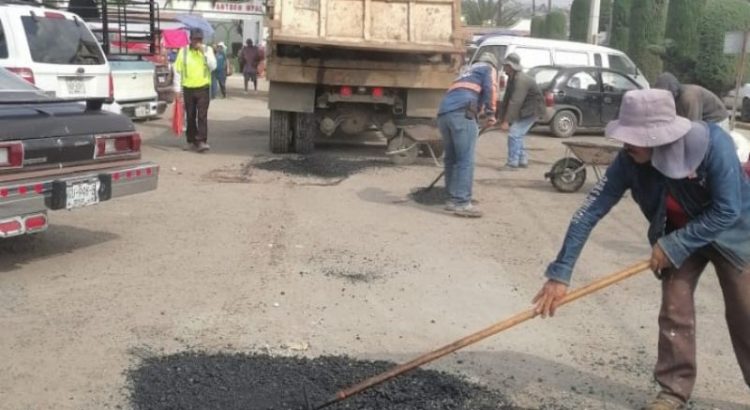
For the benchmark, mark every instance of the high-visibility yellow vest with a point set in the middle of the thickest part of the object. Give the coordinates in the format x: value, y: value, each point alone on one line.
x: 194, y: 67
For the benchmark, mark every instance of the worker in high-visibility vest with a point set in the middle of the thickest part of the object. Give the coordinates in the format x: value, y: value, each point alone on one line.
x: 194, y: 65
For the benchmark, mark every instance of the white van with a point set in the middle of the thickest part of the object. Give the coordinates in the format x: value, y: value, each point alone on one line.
x: 54, y: 50
x: 541, y: 52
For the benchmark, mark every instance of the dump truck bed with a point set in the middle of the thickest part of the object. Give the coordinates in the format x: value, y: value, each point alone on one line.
x: 423, y: 26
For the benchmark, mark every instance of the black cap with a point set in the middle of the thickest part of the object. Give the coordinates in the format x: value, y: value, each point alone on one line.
x: 196, y: 33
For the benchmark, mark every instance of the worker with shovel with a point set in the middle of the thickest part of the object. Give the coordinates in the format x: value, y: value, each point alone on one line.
x: 472, y: 93
x: 688, y: 182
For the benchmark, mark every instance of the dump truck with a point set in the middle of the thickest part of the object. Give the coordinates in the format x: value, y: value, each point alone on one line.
x: 337, y: 68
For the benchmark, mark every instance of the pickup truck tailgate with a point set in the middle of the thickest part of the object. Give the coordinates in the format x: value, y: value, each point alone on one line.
x: 133, y: 81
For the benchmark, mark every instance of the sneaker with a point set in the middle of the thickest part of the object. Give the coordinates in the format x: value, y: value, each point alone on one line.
x: 450, y: 206
x: 666, y: 401
x: 467, y: 211
x: 523, y: 165
x: 202, y: 147
x: 190, y: 146
x: 509, y: 167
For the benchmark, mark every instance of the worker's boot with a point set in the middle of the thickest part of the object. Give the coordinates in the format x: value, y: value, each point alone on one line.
x: 666, y: 401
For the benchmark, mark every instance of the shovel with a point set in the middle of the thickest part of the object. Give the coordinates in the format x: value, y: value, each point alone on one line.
x: 442, y: 173
x: 476, y: 337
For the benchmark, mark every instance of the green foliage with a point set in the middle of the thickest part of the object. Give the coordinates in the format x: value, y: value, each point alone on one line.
x: 647, y: 26
x: 619, y: 35
x: 538, y: 26
x: 713, y: 69
x: 556, y: 25
x: 498, y: 13
x: 682, y: 38
x: 605, y: 12
x: 579, y: 20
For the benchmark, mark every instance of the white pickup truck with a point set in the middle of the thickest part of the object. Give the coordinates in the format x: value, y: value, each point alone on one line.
x: 134, y: 91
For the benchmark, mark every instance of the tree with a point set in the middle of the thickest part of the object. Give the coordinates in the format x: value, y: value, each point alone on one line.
x: 713, y: 69
x: 555, y: 25
x: 605, y: 13
x: 538, y: 26
x: 647, y: 26
x: 579, y: 20
x: 501, y: 13
x: 619, y: 33
x: 682, y: 37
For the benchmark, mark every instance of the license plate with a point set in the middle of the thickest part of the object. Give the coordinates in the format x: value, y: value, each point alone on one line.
x: 76, y: 87
x: 141, y: 111
x: 80, y: 194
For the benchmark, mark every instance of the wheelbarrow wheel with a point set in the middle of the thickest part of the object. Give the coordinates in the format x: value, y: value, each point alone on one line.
x: 403, y: 150
x: 568, y: 175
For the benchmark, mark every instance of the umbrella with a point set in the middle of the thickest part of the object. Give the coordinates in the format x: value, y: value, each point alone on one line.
x: 195, y: 21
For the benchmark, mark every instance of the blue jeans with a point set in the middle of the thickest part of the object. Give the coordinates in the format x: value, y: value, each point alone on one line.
x: 516, y: 150
x: 459, y: 140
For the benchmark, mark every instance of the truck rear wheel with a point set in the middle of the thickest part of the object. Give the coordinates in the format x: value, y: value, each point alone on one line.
x: 280, y: 131
x: 305, y: 131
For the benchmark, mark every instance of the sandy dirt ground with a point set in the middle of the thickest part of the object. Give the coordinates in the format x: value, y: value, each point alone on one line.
x: 227, y: 257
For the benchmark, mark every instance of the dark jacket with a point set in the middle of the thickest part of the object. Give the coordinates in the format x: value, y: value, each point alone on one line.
x: 693, y: 101
x: 477, y: 86
x: 717, y: 202
x: 523, y: 99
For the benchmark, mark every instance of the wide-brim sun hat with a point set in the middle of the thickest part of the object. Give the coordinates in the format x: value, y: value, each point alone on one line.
x: 681, y: 158
x: 648, y: 119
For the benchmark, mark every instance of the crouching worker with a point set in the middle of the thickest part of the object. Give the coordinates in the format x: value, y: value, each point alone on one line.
x: 473, y: 92
x: 689, y: 184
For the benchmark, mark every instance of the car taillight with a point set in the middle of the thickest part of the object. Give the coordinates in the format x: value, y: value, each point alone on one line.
x: 346, y: 91
x: 35, y: 223
x: 549, y: 99
x: 111, y: 87
x: 11, y: 155
x: 11, y: 227
x: 377, y: 92
x: 23, y: 72
x: 107, y: 145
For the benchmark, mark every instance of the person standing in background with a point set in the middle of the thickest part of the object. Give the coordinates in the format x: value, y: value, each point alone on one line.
x: 195, y: 63
x: 250, y: 58
x: 219, y: 76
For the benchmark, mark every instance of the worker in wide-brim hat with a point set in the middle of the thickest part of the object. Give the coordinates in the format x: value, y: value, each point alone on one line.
x: 690, y: 186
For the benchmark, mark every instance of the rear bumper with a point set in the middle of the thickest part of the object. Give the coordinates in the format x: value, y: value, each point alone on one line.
x: 143, y: 109
x: 34, y: 195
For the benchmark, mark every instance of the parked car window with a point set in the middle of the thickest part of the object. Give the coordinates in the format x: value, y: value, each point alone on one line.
x: 533, y: 57
x: 54, y: 40
x: 543, y: 75
x: 621, y: 63
x: 14, y: 88
x: 571, y: 58
x: 614, y: 82
x: 583, y: 80
x: 598, y: 60
x: 3, y: 43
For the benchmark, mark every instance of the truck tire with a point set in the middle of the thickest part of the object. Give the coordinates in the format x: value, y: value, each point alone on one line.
x: 305, y: 131
x: 745, y: 112
x: 280, y: 132
x: 564, y: 124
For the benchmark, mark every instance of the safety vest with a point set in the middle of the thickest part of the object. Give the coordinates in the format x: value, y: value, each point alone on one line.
x: 193, y: 68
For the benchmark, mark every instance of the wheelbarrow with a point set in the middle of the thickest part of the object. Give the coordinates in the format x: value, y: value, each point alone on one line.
x: 413, y: 139
x: 569, y: 173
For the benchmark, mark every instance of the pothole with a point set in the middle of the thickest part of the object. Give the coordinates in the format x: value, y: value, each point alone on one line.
x: 435, y: 196
x: 262, y: 382
x: 320, y: 166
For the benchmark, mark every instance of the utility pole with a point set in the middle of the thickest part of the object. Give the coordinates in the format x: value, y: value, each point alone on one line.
x: 593, y: 33
x: 533, y: 8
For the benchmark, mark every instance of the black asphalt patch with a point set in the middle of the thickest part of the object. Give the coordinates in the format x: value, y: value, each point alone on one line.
x: 435, y: 196
x: 260, y: 382
x: 321, y: 166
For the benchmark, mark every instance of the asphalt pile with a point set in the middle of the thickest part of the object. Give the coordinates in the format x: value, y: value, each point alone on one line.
x: 261, y: 382
x: 321, y: 166
x: 435, y: 196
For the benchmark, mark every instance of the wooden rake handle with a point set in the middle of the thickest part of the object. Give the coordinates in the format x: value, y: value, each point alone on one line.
x: 489, y: 331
